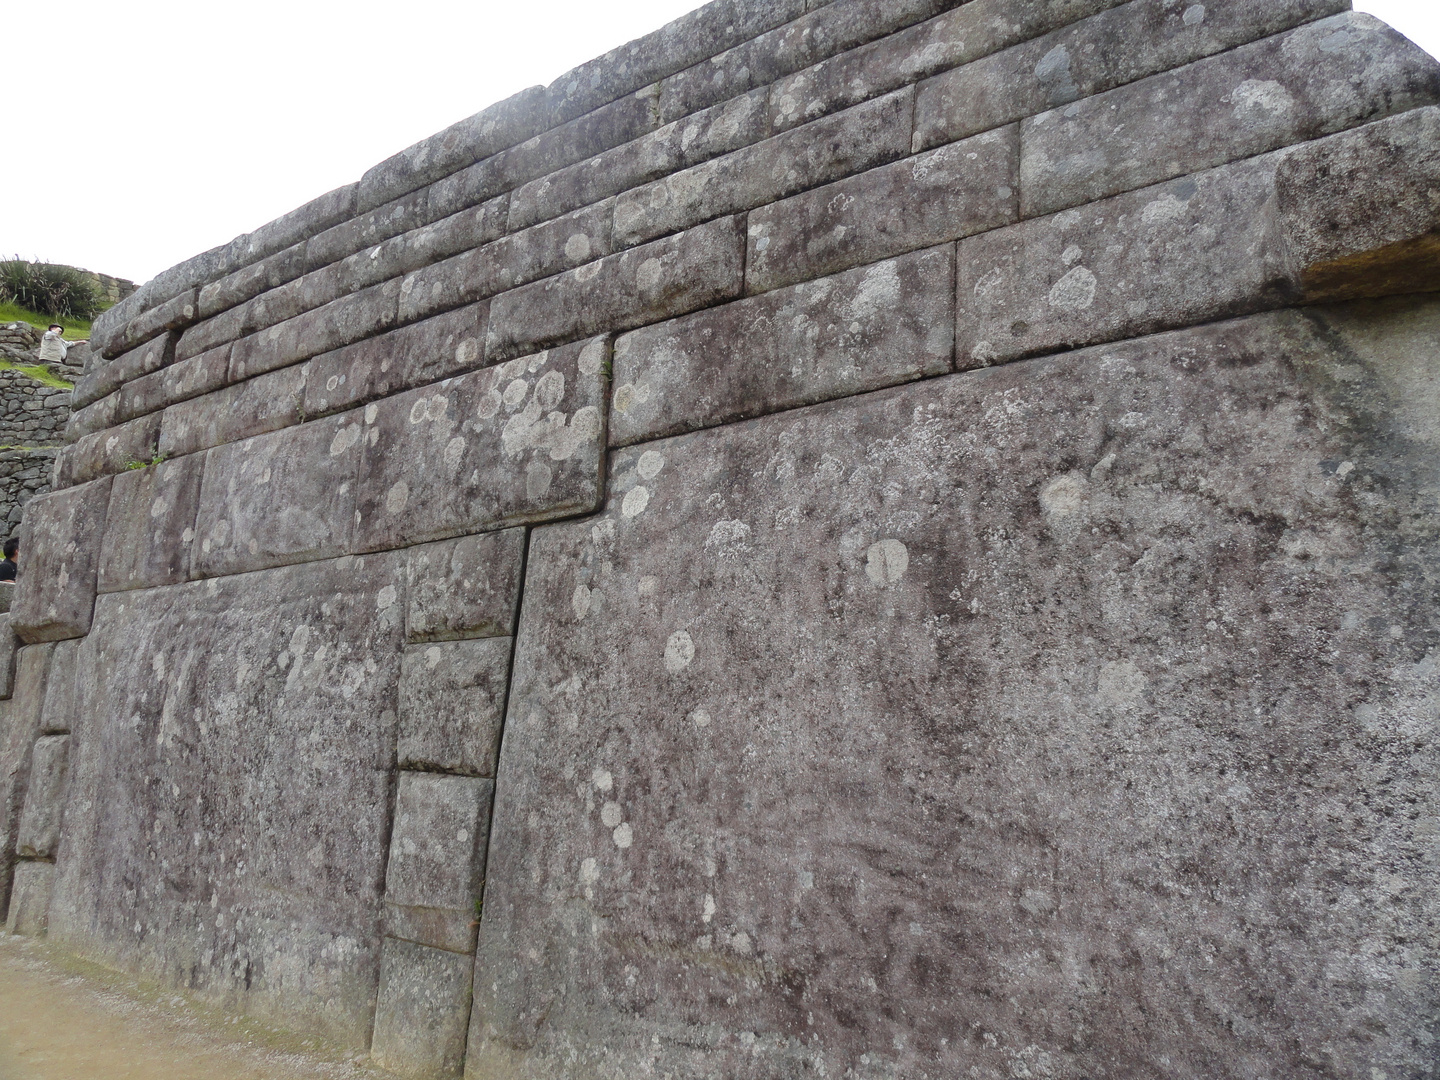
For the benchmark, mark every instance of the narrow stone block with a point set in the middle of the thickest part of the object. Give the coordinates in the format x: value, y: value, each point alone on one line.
x: 367, y: 229
x: 253, y: 407
x: 414, y: 355
x: 452, y: 701
x: 849, y: 142
x: 1109, y: 49
x: 215, y: 331
x: 350, y: 319
x: 423, y: 1010
x: 175, y: 313
x: 8, y: 647
x: 466, y: 587
x: 150, y: 526
x: 285, y: 497
x: 61, y: 710
x: 1195, y: 249
x: 437, y: 846
x: 298, y: 225
x: 250, y: 281
x: 55, y: 595
x: 94, y: 417
x: 30, y: 899
x: 44, y: 798
x: 1321, y: 78
x: 20, y: 726
x: 950, y: 193
x: 107, y: 331
x: 660, y: 280
x: 178, y: 382
x: 110, y: 451
x: 875, y: 326
x: 507, y: 445
x: 151, y: 356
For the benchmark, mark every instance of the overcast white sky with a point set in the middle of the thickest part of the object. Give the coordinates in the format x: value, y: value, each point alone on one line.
x: 178, y: 125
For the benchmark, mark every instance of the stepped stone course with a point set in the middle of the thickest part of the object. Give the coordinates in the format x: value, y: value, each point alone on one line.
x: 853, y: 538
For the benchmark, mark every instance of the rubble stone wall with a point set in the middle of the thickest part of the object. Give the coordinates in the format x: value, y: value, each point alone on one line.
x: 872, y: 539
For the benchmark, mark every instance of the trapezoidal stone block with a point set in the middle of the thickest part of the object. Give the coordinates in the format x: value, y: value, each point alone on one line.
x: 9, y: 644
x: 452, y: 703
x: 422, y: 1011
x: 253, y: 407
x: 30, y: 898
x: 20, y: 726
x: 55, y: 593
x: 466, y: 587
x: 150, y: 525
x: 39, y: 832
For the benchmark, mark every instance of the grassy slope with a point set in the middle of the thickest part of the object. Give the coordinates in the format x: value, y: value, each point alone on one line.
x: 75, y: 329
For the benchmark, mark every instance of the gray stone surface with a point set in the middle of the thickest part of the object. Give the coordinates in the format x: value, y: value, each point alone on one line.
x: 285, y: 497
x: 178, y: 382
x: 368, y: 229
x: 219, y: 329
x: 253, y: 407
x: 452, y: 703
x: 1330, y: 75
x: 107, y: 452
x: 8, y: 647
x: 953, y: 192
x: 883, y: 324
x: 250, y: 281
x: 1096, y: 54
x: 175, y: 313
x: 61, y: 710
x: 55, y: 594
x: 660, y: 280
x: 466, y: 587
x: 151, y: 356
x: 850, y: 142
x: 150, y: 526
x: 93, y: 417
x: 30, y: 899
x: 299, y: 224
x: 20, y: 726
x: 39, y: 832
x: 421, y: 1011
x: 350, y: 319
x: 517, y: 443
x: 236, y: 747
x: 924, y: 674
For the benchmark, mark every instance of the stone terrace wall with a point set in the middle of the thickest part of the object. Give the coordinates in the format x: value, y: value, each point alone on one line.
x: 884, y: 539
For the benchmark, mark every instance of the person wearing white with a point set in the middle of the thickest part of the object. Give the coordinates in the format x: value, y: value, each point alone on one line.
x: 52, y: 345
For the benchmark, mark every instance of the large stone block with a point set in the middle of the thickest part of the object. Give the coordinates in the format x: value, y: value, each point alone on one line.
x: 298, y: 225
x: 890, y: 690
x: 8, y: 647
x: 250, y: 281
x: 452, y: 701
x: 517, y: 443
x: 422, y: 1011
x: 92, y: 418
x: 1109, y: 49
x: 236, y: 750
x: 944, y: 195
x: 414, y: 355
x: 178, y: 382
x: 174, y: 314
x: 150, y: 525
x: 466, y: 587
x: 437, y: 856
x: 883, y: 324
x: 151, y: 356
x: 285, y: 497
x: 218, y: 330
x: 368, y: 229
x: 253, y: 407
x: 20, y: 726
x: 30, y: 899
x: 61, y: 709
x: 360, y: 315
x: 1322, y: 78
x: 110, y: 451
x: 60, y: 539
x: 39, y: 832
x: 849, y: 142
x: 660, y: 280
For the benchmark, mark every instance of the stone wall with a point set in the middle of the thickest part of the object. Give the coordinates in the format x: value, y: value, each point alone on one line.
x: 851, y: 539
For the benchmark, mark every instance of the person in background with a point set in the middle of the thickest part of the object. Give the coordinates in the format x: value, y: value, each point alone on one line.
x: 10, y: 566
x: 52, y: 346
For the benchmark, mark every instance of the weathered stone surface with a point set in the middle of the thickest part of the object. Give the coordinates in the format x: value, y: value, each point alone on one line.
x: 44, y: 798
x: 218, y: 330
x: 151, y: 356
x: 876, y: 326
x: 414, y: 355
x: 299, y: 224
x: 150, y: 525
x: 94, y: 417
x: 285, y: 497
x: 421, y: 1011
x: 368, y: 229
x: 350, y: 319
x: 538, y: 252
x: 953, y: 192
x: 252, y: 407
x: 55, y: 595
x: 1096, y: 54
x: 60, y: 712
x: 250, y: 281
x: 467, y: 587
x: 517, y: 443
x: 1322, y: 78
x: 850, y: 142
x: 19, y: 728
x: 178, y: 382
x: 174, y: 314
x: 108, y: 328
x: 669, y: 277
x: 924, y: 675
x: 110, y: 451
x: 452, y: 700
x: 30, y: 899
x: 236, y: 745
x: 8, y: 646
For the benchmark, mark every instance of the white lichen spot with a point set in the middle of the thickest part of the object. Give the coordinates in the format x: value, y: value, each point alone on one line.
x: 549, y: 390
x: 580, y: 601
x: 1194, y: 15
x: 679, y: 651
x: 1075, y: 291
x: 489, y: 404
x: 635, y: 501
x: 467, y: 352
x: 650, y: 464
x: 454, y: 451
x: 728, y: 539
x: 371, y: 412
x: 397, y: 497
x: 1071, y: 255
x: 1163, y: 210
x: 159, y: 506
x: 650, y: 275
x: 432, y: 655
x: 700, y: 718
x: 589, y: 872
x: 647, y: 585
x: 707, y: 908
x: 538, y: 477
x: 611, y: 814
x: 623, y: 836
x: 592, y: 358
x: 1121, y: 684
x: 386, y: 598
x: 1258, y: 101
x: 741, y: 943
x: 577, y: 247
x: 514, y: 394
x: 886, y: 562
x: 602, y: 779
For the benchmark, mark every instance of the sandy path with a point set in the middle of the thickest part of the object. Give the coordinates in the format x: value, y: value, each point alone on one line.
x: 60, y: 1020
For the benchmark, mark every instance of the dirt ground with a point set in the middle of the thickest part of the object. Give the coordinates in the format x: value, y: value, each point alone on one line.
x: 65, y: 1020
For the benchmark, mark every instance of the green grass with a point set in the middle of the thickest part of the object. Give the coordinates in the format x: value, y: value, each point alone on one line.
x: 75, y: 329
x: 38, y: 372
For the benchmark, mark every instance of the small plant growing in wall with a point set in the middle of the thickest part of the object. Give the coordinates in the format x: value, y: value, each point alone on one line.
x: 136, y: 463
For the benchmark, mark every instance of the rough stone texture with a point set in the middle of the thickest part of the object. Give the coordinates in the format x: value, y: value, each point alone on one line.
x: 421, y: 1013
x: 20, y: 727
x: 1321, y: 78
x: 23, y: 475
x: 452, y: 700
x: 150, y: 526
x: 44, y: 798
x: 256, y: 713
x: 250, y: 281
x: 252, y: 407
x: 8, y: 647
x: 55, y: 596
x: 92, y: 418
x: 346, y: 320
x: 929, y: 654
x: 178, y: 382
x: 468, y: 587
x: 876, y: 326
x: 32, y: 413
x: 62, y: 707
x: 110, y: 451
x: 30, y: 899
x: 517, y: 443
x: 151, y: 356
